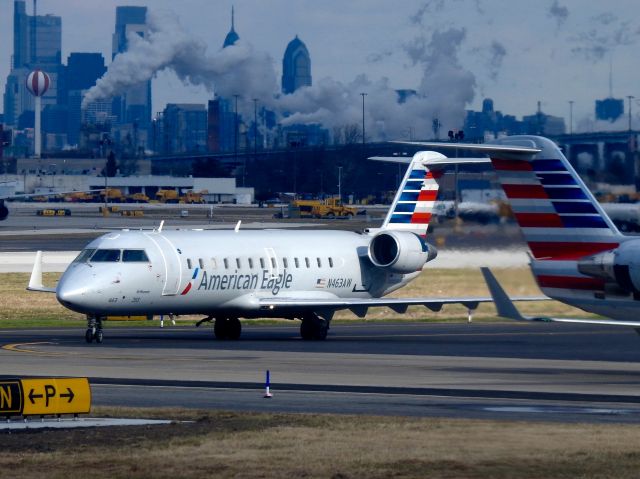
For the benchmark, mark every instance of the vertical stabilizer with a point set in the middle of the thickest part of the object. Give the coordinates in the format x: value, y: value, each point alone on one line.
x: 413, y: 205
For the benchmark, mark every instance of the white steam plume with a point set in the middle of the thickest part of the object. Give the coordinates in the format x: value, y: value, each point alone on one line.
x: 235, y: 69
x: 444, y: 91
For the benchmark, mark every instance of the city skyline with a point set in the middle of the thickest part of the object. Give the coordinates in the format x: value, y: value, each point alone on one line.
x: 572, y: 42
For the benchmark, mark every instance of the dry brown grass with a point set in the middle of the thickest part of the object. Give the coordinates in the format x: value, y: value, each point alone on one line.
x: 33, y: 308
x: 286, y: 445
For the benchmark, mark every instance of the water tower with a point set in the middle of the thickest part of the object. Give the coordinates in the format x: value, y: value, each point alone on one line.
x: 38, y: 83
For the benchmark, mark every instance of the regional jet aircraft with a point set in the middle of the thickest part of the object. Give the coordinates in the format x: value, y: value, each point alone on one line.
x: 227, y: 275
x: 578, y: 255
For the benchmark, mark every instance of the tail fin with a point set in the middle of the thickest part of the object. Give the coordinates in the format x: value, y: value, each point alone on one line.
x: 559, y: 217
x: 413, y: 205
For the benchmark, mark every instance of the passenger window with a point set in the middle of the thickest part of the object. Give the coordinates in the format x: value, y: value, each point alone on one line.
x: 307, y: 262
x: 84, y: 256
x: 189, y: 263
x: 106, y: 256
x: 250, y: 263
x: 134, y: 256
x: 273, y: 262
x: 285, y: 262
x: 330, y: 262
x: 295, y: 260
x: 226, y: 263
x: 262, y: 263
x: 238, y: 263
x: 319, y: 262
x: 214, y: 265
x: 201, y: 263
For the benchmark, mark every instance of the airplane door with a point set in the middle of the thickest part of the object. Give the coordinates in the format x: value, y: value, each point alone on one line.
x: 172, y: 264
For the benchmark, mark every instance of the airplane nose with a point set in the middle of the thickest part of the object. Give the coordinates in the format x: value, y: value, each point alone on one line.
x: 71, y: 293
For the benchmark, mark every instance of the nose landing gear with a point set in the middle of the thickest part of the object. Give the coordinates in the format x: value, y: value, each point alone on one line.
x: 94, y: 329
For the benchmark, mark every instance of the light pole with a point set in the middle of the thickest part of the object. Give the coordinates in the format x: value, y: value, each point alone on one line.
x: 363, y: 133
x: 630, y: 97
x: 235, y: 131
x: 340, y: 184
x: 571, y: 117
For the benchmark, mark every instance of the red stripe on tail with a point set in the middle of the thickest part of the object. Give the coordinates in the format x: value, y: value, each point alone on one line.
x: 524, y: 191
x: 539, y: 220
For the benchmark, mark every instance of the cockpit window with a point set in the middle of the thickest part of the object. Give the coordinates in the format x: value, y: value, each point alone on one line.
x: 134, y: 256
x: 84, y: 256
x: 106, y: 256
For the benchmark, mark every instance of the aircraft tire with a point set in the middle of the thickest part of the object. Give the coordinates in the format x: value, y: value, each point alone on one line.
x: 88, y: 336
x: 99, y: 337
x: 220, y: 328
x: 234, y: 329
x: 306, y: 330
x: 4, y: 212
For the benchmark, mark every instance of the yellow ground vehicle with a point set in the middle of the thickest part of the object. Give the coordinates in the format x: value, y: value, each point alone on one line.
x: 137, y: 198
x: 167, y: 196
x: 80, y: 197
x: 114, y: 195
x: 191, y: 198
x: 329, y: 208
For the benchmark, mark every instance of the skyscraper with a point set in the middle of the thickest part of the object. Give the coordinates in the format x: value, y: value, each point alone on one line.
x: 133, y: 107
x: 222, y: 127
x: 37, y: 43
x: 82, y: 72
x: 296, y: 66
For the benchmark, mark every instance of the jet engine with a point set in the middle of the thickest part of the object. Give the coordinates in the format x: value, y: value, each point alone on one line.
x: 621, y: 265
x: 400, y: 251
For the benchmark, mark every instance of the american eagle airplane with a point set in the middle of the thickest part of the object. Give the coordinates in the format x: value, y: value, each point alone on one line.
x: 578, y: 255
x: 227, y: 275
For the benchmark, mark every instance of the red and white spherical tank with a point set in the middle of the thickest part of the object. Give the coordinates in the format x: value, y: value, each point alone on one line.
x: 38, y: 83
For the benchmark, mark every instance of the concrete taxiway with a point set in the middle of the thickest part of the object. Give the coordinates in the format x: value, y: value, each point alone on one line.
x: 534, y: 371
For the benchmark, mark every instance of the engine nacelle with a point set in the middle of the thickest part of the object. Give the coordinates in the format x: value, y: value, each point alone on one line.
x: 400, y: 251
x: 621, y: 266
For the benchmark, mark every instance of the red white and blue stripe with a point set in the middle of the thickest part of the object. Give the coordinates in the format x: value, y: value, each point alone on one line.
x: 560, y: 220
x: 190, y: 284
x: 559, y: 217
x: 413, y: 205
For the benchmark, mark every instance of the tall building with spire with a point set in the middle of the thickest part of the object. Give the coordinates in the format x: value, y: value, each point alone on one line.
x: 222, y: 134
x: 232, y: 37
x: 296, y: 66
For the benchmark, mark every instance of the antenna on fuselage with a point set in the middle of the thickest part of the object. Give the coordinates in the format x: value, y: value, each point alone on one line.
x: 161, y: 225
x: 237, y: 228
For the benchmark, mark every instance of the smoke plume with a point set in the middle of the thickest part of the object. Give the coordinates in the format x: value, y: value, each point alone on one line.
x: 558, y: 12
x: 235, y: 69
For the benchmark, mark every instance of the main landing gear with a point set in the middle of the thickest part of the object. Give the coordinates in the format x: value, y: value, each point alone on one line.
x: 94, y: 329
x: 227, y: 328
x: 313, y: 327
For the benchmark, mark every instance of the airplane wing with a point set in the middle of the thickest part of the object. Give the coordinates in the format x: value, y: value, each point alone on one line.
x: 506, y: 308
x: 35, y: 282
x: 359, y: 306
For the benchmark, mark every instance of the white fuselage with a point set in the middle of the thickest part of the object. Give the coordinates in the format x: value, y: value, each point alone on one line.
x: 221, y: 272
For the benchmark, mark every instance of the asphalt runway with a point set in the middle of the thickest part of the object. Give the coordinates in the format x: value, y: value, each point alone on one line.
x: 538, y: 371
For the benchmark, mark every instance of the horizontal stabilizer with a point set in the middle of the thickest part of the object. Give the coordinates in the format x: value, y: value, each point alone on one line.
x: 431, y: 161
x: 479, y: 147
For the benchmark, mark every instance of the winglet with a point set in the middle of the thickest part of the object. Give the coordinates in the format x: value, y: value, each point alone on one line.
x: 35, y: 282
x: 504, y: 305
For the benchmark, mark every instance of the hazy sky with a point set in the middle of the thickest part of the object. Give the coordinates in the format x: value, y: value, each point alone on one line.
x: 516, y: 52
